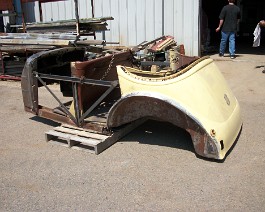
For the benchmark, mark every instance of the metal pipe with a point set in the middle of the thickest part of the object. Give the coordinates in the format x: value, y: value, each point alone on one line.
x: 75, y: 79
x: 76, y: 103
x: 98, y: 101
x: 77, y: 18
x: 55, y: 97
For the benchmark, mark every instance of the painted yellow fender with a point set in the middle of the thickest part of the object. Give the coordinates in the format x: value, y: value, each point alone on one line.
x: 196, y: 99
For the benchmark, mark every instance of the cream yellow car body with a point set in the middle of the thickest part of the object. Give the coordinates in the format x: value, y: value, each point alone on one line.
x: 200, y: 97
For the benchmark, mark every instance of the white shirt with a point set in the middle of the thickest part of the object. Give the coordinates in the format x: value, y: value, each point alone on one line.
x: 256, y: 34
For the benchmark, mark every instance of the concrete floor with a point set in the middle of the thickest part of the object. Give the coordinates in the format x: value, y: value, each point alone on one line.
x: 154, y: 168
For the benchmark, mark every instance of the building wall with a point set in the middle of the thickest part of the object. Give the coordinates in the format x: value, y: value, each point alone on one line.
x: 134, y: 20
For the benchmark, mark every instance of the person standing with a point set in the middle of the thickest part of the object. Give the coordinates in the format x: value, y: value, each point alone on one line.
x: 229, y: 18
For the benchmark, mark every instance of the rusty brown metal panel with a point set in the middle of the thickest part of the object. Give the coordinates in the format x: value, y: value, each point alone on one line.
x: 41, y: 1
x: 132, y: 107
x: 6, y: 5
x: 95, y: 69
x: 47, y: 113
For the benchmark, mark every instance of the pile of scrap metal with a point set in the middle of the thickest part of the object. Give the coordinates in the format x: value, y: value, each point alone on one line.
x: 15, y: 48
x: 153, y: 80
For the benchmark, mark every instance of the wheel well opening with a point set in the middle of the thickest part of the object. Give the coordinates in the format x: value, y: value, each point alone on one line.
x: 159, y: 133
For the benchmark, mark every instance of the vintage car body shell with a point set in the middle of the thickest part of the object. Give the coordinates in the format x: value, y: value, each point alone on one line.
x: 198, y: 99
x: 68, y: 67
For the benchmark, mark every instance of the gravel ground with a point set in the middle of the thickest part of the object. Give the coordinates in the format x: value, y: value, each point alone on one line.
x: 154, y: 168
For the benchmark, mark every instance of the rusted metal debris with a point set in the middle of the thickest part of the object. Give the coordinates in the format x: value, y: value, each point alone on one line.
x: 19, y: 46
x: 47, y: 36
x: 6, y: 5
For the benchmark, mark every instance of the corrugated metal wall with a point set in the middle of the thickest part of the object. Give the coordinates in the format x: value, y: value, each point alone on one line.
x: 134, y: 20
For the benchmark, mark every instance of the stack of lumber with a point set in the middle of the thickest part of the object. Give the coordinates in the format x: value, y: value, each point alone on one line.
x: 87, y: 26
x: 35, y: 42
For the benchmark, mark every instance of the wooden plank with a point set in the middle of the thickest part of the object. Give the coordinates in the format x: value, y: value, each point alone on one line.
x: 84, y: 148
x: 80, y: 133
x: 70, y: 22
x: 91, y: 42
x: 63, y: 36
x: 89, y: 129
x: 34, y: 42
x: 88, y: 141
x: 24, y: 48
x: 80, y: 139
x: 54, y: 135
x: 118, y: 135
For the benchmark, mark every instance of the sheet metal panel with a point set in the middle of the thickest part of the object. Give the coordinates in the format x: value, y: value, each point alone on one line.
x: 64, y: 10
x: 26, y: 1
x: 182, y: 21
x: 135, y: 21
x: 132, y: 23
x: 6, y: 5
x: 140, y: 20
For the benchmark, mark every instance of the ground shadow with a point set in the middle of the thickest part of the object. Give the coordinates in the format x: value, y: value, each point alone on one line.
x: 161, y: 134
x: 261, y: 66
x: 165, y: 134
x: 45, y: 121
x: 243, y: 46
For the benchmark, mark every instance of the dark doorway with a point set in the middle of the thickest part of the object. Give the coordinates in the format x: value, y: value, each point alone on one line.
x: 212, y: 10
x: 252, y: 11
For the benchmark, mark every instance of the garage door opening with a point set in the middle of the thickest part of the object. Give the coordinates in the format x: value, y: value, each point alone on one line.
x: 252, y: 11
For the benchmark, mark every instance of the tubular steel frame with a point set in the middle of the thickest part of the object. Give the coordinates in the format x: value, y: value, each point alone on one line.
x: 78, y: 119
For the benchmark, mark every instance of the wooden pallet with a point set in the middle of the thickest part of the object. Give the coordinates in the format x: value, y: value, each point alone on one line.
x: 81, y: 139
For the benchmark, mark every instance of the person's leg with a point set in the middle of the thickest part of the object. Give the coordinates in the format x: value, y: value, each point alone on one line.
x: 232, y: 44
x: 224, y: 37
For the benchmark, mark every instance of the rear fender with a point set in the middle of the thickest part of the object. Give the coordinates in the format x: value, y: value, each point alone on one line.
x: 156, y: 106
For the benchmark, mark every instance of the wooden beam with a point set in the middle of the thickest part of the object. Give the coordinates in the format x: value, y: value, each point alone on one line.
x: 34, y: 42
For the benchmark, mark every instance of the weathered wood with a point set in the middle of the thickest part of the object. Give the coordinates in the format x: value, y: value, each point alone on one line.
x: 62, y: 36
x: 52, y: 134
x: 84, y: 26
x: 81, y: 139
x: 80, y: 132
x: 25, y: 48
x: 118, y: 135
x: 91, y: 42
x: 73, y: 21
x: 34, y: 42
